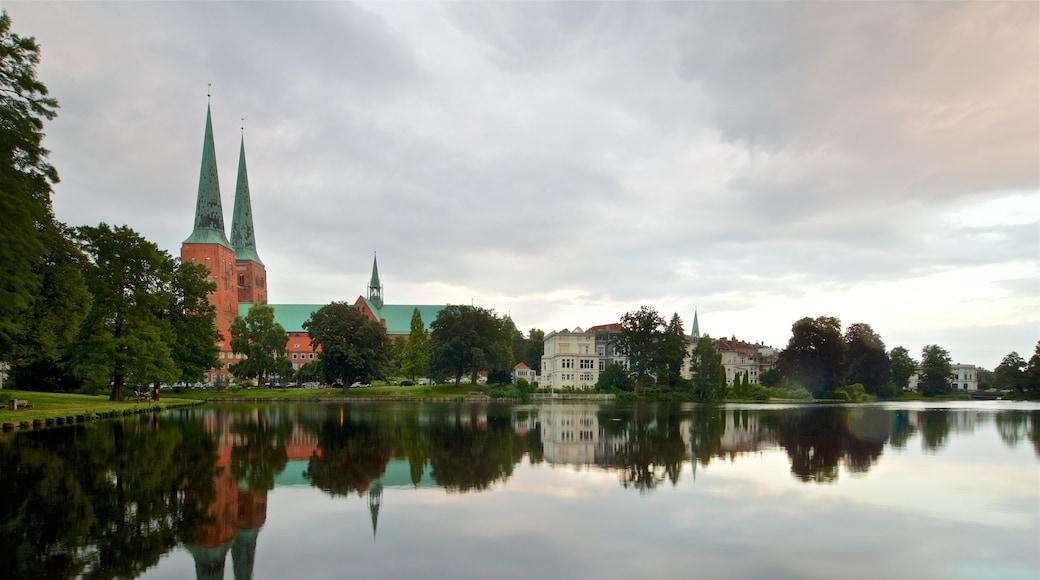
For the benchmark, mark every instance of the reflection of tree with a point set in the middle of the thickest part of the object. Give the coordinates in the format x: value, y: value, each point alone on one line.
x: 707, y: 426
x: 818, y: 440
x: 353, y: 453
x: 258, y: 454
x: 651, y: 450
x: 935, y: 427
x: 108, y: 502
x: 902, y: 430
x: 1015, y: 426
x: 464, y: 457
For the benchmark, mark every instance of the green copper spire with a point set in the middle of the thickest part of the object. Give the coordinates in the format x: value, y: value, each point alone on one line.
x: 242, y: 238
x: 375, y: 289
x: 209, y: 216
x: 696, y: 331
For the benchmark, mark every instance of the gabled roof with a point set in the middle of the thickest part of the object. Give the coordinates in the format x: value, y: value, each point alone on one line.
x: 209, y: 216
x: 521, y: 367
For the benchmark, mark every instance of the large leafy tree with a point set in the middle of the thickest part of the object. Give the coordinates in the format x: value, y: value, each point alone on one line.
x: 936, y: 370
x: 263, y: 342
x: 642, y: 340
x: 413, y: 356
x: 1031, y: 385
x: 193, y: 319
x: 127, y: 336
x: 672, y: 352
x: 352, y: 347
x: 465, y: 339
x: 865, y: 359
x: 814, y: 354
x: 1010, y: 374
x: 709, y: 376
x: 903, y: 366
x: 56, y: 311
x: 26, y: 178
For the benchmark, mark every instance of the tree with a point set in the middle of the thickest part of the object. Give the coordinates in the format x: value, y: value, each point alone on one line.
x: 193, y: 320
x: 814, y: 355
x: 935, y: 371
x: 671, y: 352
x: 352, y: 347
x: 615, y: 376
x: 903, y: 366
x: 53, y: 319
x: 26, y: 178
x: 709, y: 375
x: 1032, y: 378
x: 534, y: 347
x: 464, y: 339
x: 413, y: 357
x: 263, y: 342
x: 641, y: 330
x: 865, y: 359
x: 125, y: 337
x: 1010, y: 374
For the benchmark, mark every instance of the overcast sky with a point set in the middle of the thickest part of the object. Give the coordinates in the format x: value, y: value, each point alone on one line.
x: 565, y: 163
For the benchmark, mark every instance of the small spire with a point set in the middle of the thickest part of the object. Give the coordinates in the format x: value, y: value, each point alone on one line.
x: 375, y: 288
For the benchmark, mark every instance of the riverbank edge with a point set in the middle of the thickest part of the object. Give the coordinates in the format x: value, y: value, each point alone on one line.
x: 63, y: 417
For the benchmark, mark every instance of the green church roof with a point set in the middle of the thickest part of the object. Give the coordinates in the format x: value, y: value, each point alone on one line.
x: 243, y: 239
x: 398, y: 317
x: 209, y: 216
x: 290, y: 316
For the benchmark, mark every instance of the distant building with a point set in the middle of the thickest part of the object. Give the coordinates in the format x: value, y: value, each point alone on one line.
x: 241, y: 277
x: 739, y: 358
x: 962, y: 378
x: 575, y: 358
x: 522, y: 371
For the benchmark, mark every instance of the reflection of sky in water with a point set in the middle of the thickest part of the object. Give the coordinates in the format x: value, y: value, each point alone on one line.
x: 970, y: 509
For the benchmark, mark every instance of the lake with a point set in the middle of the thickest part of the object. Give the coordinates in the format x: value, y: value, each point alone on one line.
x: 555, y: 490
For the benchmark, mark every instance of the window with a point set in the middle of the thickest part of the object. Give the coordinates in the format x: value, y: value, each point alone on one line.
x: 602, y: 365
x: 587, y: 363
x: 567, y: 363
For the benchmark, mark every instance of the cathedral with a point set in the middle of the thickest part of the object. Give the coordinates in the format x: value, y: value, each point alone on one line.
x: 241, y: 277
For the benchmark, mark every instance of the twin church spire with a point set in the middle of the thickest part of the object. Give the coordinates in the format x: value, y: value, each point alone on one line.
x: 209, y: 213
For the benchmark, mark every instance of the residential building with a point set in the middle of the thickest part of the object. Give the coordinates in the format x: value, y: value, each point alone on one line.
x: 575, y: 358
x: 962, y: 378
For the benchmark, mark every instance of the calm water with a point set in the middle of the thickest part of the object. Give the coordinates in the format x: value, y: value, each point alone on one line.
x: 529, y: 491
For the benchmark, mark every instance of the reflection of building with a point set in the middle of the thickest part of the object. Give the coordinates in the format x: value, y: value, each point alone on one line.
x: 570, y: 434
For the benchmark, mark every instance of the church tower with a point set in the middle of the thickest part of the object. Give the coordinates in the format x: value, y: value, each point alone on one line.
x: 250, y: 273
x: 207, y: 244
x: 375, y: 289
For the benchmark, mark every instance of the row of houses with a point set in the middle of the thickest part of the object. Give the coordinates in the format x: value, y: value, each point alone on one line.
x: 575, y: 358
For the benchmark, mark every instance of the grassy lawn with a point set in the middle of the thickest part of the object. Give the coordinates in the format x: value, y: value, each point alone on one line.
x: 413, y: 392
x: 50, y: 405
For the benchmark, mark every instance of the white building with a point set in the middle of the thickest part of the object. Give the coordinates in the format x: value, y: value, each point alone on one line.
x: 575, y: 358
x: 962, y: 378
x: 522, y: 371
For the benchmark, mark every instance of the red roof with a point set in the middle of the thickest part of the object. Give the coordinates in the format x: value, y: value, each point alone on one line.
x: 521, y: 366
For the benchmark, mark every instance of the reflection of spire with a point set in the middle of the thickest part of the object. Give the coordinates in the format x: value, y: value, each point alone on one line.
x: 375, y: 500
x: 209, y: 561
x: 243, y: 553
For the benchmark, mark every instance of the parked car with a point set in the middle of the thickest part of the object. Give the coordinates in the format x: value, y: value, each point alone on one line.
x: 405, y: 383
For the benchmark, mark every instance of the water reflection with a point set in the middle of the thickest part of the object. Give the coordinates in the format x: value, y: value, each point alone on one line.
x: 110, y: 498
